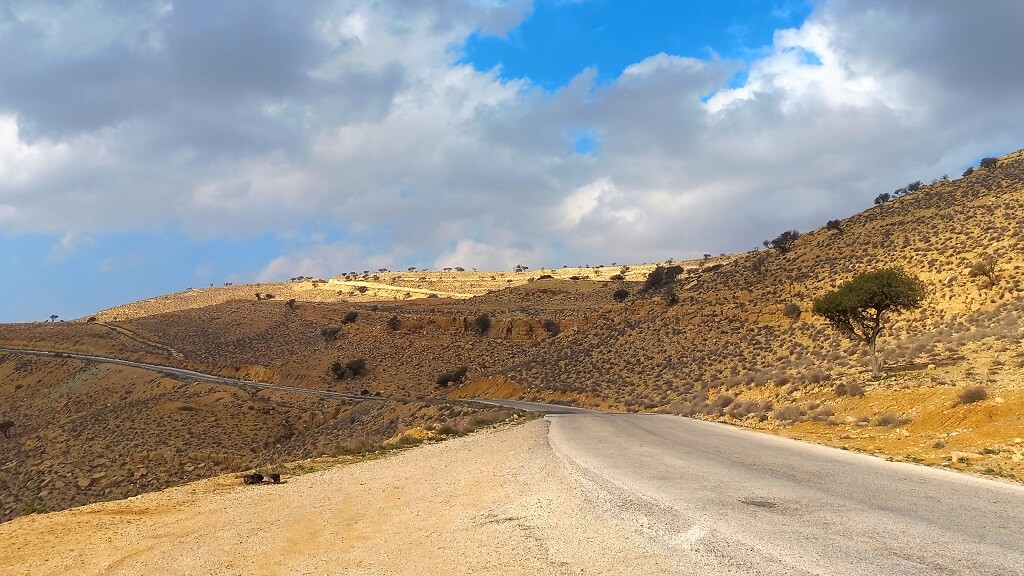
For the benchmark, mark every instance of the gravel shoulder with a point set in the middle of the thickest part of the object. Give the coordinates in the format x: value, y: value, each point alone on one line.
x: 496, y: 502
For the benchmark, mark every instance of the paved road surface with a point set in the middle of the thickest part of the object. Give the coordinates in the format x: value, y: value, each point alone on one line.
x: 733, y: 501
x: 183, y: 373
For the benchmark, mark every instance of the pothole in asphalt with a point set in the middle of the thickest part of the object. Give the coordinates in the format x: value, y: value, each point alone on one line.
x: 759, y: 503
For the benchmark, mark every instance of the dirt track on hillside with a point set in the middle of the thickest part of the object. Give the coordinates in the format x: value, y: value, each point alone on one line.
x: 497, y: 502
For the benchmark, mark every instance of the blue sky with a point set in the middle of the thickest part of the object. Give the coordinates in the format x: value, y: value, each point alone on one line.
x: 158, y: 145
x: 560, y: 38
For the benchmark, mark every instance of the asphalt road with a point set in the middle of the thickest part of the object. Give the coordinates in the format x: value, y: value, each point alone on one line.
x: 199, y: 376
x: 733, y: 501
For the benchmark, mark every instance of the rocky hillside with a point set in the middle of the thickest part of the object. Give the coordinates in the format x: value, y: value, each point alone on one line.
x: 730, y: 338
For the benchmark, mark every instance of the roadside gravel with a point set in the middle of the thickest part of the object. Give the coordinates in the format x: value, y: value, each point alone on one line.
x: 496, y: 502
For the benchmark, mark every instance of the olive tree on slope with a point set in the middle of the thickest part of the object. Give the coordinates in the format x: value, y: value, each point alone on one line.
x: 859, y: 307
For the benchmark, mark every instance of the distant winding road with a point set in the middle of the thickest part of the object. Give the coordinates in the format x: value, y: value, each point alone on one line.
x: 183, y: 373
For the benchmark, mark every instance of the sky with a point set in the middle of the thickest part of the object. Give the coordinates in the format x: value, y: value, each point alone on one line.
x: 147, y: 147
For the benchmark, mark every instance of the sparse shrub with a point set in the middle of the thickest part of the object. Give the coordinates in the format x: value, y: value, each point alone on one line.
x: 620, y: 295
x: 482, y: 324
x: 788, y: 413
x: 259, y: 296
x: 330, y: 333
x: 757, y: 264
x: 456, y: 377
x: 968, y: 172
x: 989, y: 162
x: 5, y: 427
x: 551, y: 327
x: 723, y: 400
x: 338, y: 370
x: 836, y: 225
x: 394, y: 323
x: 661, y: 276
x: 545, y: 277
x: 783, y: 242
x: 985, y: 267
x: 290, y: 304
x: 268, y: 296
x: 350, y: 317
x: 670, y: 297
x: 91, y: 319
x: 914, y: 186
x: 973, y: 394
x: 792, y: 311
x: 356, y: 367
x: 361, y: 289
x: 890, y: 420
x: 849, y: 389
x: 617, y: 277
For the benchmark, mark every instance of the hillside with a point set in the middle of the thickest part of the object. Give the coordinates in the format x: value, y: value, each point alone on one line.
x: 722, y: 348
x: 727, y: 350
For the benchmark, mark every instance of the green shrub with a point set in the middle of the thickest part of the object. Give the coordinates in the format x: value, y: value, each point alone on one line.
x: 783, y: 242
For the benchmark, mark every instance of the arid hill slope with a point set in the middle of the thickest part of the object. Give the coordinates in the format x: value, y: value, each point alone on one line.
x: 721, y: 348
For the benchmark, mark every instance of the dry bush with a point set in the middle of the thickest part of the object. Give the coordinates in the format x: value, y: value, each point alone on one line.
x: 788, y: 413
x: 890, y: 420
x: 973, y: 394
x: 849, y: 389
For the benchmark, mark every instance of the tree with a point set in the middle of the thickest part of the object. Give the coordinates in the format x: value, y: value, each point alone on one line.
x: 5, y: 428
x: 834, y: 225
x: 783, y: 242
x: 859, y: 308
x: 882, y: 198
x: 989, y: 162
x: 984, y: 267
x: 53, y: 317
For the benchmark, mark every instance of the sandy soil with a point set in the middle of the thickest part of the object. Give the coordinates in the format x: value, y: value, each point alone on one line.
x: 496, y: 502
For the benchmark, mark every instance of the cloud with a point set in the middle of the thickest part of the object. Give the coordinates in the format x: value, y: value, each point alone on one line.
x: 362, y: 118
x: 481, y: 256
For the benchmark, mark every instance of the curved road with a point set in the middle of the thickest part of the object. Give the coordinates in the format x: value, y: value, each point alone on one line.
x: 183, y: 373
x: 732, y: 501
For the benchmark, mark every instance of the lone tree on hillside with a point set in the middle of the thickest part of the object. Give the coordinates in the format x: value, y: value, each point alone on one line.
x: 989, y: 162
x: 859, y: 307
x: 661, y: 276
x: 783, y: 242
